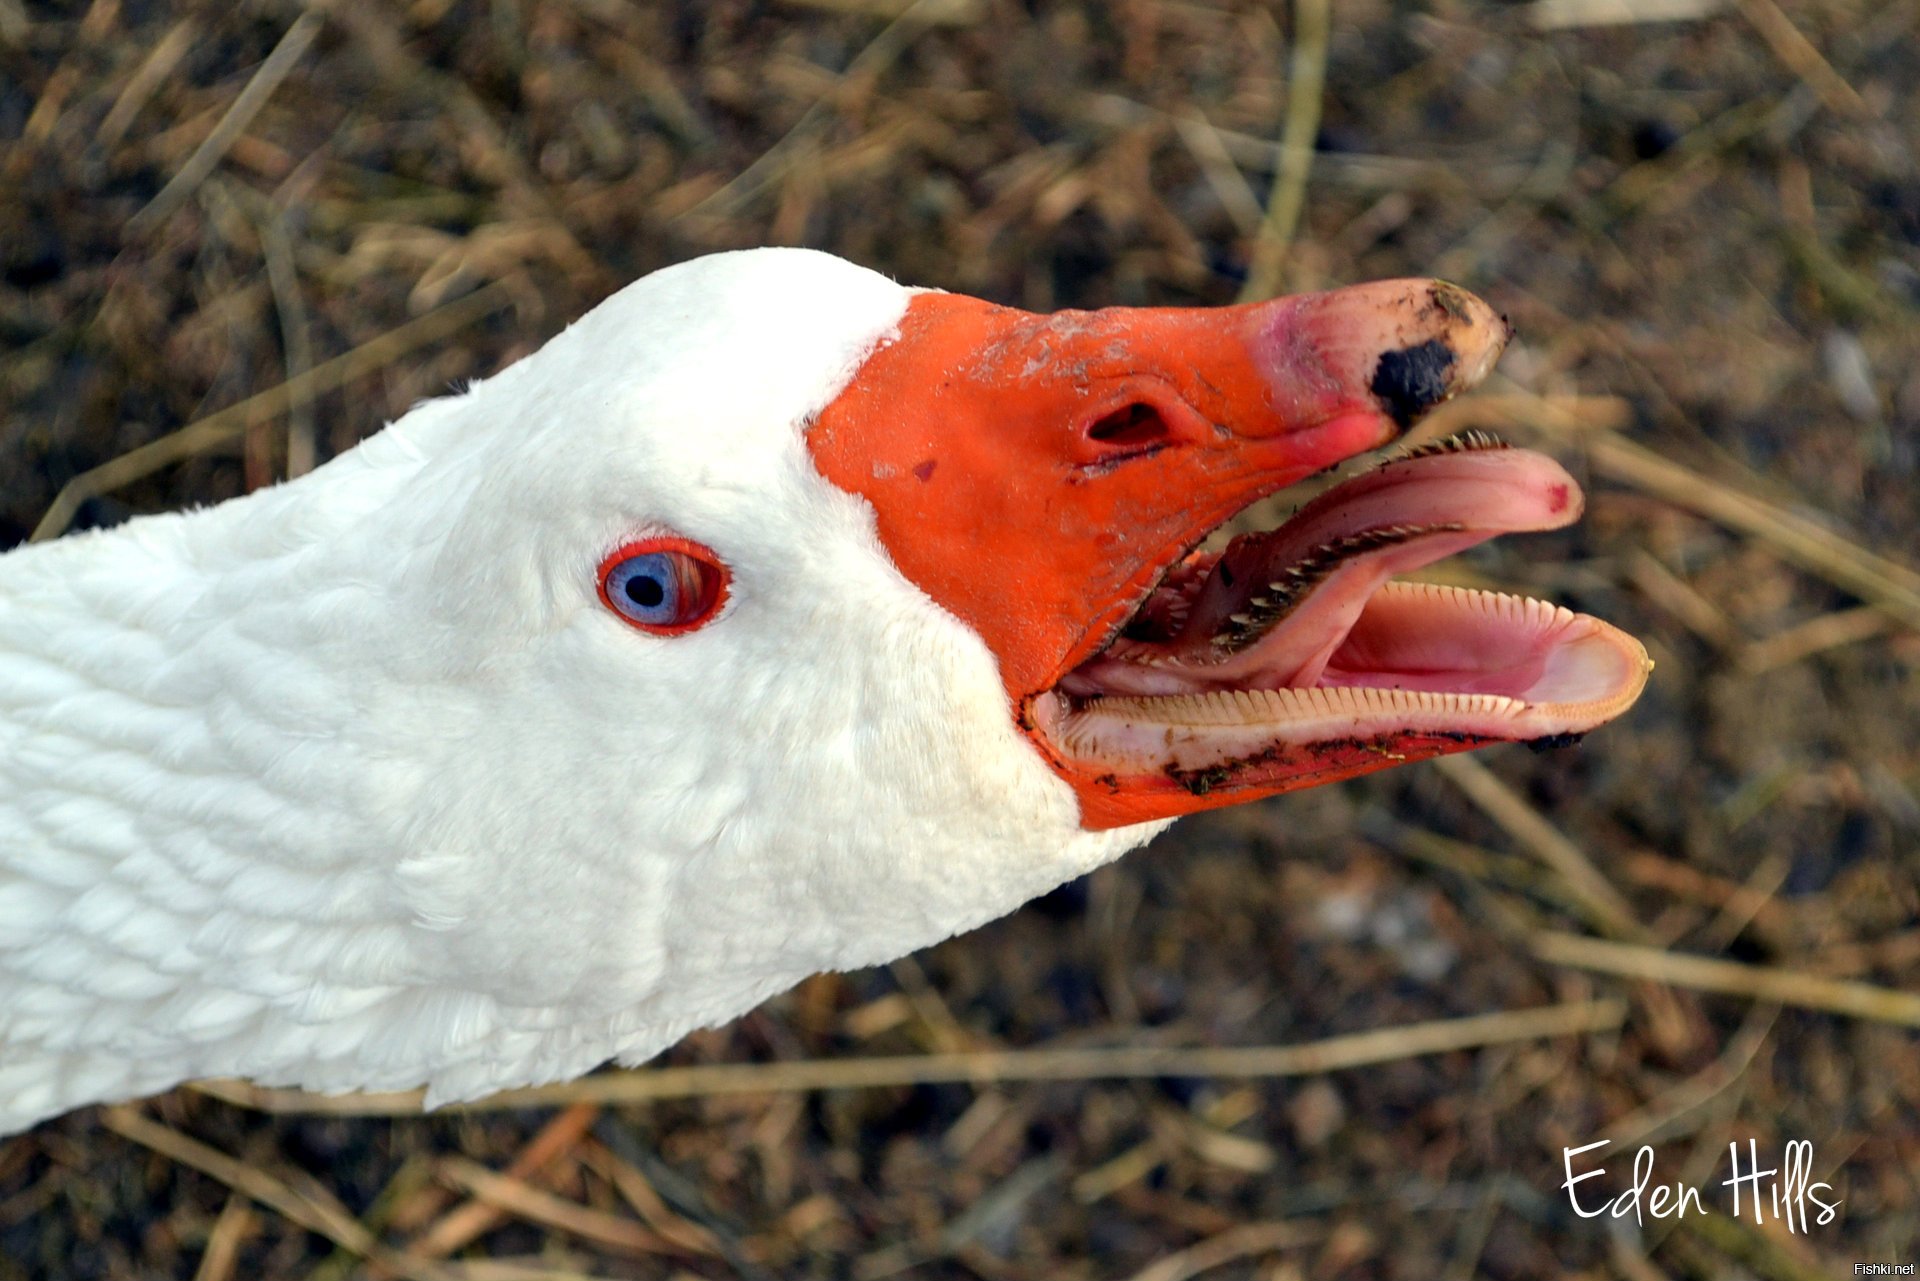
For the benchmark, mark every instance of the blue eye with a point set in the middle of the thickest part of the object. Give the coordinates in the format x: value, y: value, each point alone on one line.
x: 665, y: 586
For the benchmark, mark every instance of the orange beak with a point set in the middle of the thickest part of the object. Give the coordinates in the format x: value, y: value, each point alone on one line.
x: 1045, y: 479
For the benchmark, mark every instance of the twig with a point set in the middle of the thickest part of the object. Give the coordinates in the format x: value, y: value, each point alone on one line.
x: 245, y: 107
x: 1547, y: 182
x: 531, y: 1204
x: 327, y: 1217
x: 1483, y: 874
x: 1849, y: 292
x: 1890, y: 586
x: 1004, y: 1201
x: 1602, y: 903
x: 235, y: 1224
x: 1787, y: 987
x: 410, y: 1185
x: 48, y: 109
x: 1230, y: 1247
x: 1657, y: 1119
x: 152, y: 73
x: 1205, y: 1136
x: 639, y: 1193
x: 1682, y: 881
x: 1798, y: 55
x: 473, y: 1219
x: 1677, y: 597
x: 1306, y: 86
x: 1748, y: 902
x: 1366, y: 174
x: 1890, y: 952
x: 1360, y: 1049
x: 1703, y: 145
x: 947, y: 13
x: 515, y: 1270
x: 1229, y: 184
x: 1132, y: 1165
x: 232, y: 420
x: 914, y: 21
x: 1526, y: 411
x: 296, y: 337
x: 1556, y: 15
x: 499, y: 156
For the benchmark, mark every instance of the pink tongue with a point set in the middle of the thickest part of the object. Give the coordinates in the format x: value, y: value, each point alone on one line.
x: 1472, y: 496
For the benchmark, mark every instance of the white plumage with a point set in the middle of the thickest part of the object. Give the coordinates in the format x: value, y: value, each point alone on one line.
x: 354, y: 783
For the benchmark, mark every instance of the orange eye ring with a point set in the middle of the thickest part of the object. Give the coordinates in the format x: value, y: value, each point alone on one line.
x: 664, y: 586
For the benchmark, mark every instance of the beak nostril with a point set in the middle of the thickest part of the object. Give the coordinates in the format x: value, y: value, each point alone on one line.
x: 1130, y: 427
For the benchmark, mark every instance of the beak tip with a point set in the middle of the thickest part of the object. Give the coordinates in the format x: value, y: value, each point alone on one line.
x: 1463, y: 339
x: 1472, y: 328
x: 1400, y: 346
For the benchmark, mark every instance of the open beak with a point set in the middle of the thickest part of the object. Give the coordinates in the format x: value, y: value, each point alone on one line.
x: 1046, y: 479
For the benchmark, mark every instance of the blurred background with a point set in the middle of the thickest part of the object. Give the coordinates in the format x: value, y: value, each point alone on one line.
x: 286, y: 224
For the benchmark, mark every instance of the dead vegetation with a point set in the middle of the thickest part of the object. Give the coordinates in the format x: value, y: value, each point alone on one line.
x: 1346, y: 1034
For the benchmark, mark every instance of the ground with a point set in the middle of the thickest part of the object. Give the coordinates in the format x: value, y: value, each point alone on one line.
x: 1707, y: 232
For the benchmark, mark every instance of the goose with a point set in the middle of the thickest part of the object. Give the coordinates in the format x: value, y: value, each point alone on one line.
x: 772, y: 618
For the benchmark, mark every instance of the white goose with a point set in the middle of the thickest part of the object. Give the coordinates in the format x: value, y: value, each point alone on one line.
x: 773, y: 618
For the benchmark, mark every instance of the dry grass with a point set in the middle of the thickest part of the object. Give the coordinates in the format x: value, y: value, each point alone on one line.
x: 233, y: 241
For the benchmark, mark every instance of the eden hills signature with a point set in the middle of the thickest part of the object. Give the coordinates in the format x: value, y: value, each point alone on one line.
x: 1786, y: 1191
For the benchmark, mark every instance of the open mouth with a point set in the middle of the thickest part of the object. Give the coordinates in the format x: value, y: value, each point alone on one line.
x: 1293, y: 656
x: 1044, y: 479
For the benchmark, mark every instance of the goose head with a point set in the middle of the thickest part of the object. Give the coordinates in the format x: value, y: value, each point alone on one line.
x: 773, y: 618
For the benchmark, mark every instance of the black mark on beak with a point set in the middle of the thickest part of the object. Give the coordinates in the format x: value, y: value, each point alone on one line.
x: 1413, y: 380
